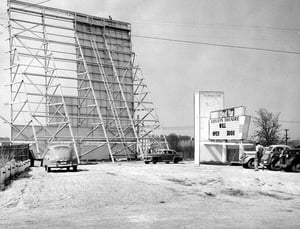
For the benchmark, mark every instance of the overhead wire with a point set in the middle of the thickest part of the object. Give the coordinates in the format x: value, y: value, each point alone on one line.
x: 221, y: 26
x: 208, y: 26
x: 216, y: 44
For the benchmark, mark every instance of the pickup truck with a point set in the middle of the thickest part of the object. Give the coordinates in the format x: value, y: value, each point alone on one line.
x: 163, y: 155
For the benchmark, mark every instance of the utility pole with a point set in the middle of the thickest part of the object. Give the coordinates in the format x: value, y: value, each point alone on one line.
x: 286, y: 135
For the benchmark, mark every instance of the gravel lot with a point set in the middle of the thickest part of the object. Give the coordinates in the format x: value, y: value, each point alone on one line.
x: 135, y: 195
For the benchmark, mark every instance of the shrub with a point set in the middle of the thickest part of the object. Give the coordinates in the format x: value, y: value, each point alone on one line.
x: 5, y: 157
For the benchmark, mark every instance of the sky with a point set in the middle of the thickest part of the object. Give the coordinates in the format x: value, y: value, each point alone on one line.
x: 175, y: 71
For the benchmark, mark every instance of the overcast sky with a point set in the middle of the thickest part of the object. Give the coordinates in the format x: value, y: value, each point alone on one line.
x: 175, y: 70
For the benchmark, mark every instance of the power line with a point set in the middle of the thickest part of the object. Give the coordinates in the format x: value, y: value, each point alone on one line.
x: 216, y: 44
x: 221, y: 26
x: 289, y: 121
x: 285, y: 121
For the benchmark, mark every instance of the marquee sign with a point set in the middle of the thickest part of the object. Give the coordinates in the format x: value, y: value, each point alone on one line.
x: 229, y: 124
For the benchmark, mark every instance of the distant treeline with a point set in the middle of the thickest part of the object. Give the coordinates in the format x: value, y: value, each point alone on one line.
x: 180, y: 143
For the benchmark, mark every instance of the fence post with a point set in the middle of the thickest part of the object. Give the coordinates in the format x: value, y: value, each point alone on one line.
x: 13, y: 169
x: 2, y: 178
x: 7, y: 173
x: 10, y: 171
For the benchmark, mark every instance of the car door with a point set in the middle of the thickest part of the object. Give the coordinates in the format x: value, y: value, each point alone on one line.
x: 170, y: 155
x: 278, y: 150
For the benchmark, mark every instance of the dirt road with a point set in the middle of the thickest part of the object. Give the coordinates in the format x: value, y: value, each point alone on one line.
x: 135, y: 195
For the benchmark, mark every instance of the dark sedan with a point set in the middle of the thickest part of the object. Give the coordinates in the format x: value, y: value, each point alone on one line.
x: 290, y: 160
x: 163, y: 155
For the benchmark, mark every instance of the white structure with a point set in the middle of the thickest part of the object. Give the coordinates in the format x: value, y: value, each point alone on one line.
x: 205, y: 102
x: 73, y: 80
x: 216, y: 126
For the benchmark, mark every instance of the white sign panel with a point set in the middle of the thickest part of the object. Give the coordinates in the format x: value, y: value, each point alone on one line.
x: 229, y: 124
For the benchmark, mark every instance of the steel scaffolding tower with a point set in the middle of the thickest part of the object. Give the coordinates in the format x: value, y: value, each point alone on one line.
x: 73, y: 80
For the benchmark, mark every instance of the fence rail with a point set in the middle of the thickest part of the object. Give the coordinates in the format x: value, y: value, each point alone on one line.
x: 19, y: 152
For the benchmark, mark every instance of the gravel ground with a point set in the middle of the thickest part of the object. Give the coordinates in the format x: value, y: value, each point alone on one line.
x: 135, y: 195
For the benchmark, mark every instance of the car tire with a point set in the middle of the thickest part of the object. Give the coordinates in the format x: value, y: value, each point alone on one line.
x: 75, y: 168
x: 274, y: 165
x: 176, y: 160
x: 167, y: 162
x: 245, y: 166
x: 250, y: 164
x: 296, y: 167
x: 146, y: 162
x: 154, y: 161
x: 288, y: 169
x: 48, y: 170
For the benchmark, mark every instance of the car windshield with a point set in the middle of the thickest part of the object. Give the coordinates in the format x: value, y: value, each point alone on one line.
x: 249, y: 148
x: 164, y: 152
x: 269, y: 148
x: 60, y: 152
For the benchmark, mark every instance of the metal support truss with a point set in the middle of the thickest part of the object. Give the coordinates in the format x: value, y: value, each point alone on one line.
x: 146, y: 119
x: 73, y: 81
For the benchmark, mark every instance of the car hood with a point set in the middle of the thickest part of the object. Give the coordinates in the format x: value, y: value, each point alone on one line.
x: 249, y: 153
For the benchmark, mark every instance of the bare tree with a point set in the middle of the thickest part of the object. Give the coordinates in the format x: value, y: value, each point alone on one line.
x: 267, y: 127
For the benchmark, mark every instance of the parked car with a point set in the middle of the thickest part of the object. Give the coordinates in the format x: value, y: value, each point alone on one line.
x: 60, y: 156
x: 247, y: 158
x: 290, y: 160
x: 162, y: 155
x: 271, y: 156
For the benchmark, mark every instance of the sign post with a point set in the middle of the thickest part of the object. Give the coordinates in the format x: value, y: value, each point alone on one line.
x: 205, y: 102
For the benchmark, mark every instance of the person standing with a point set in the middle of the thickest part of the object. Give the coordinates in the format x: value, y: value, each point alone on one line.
x: 259, y: 149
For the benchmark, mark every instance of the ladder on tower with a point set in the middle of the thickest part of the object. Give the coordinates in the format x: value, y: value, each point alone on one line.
x: 89, y: 89
x: 110, y: 94
x: 116, y: 110
x: 123, y: 99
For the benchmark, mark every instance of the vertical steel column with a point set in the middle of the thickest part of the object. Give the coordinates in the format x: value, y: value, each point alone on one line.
x: 94, y: 95
x: 115, y: 73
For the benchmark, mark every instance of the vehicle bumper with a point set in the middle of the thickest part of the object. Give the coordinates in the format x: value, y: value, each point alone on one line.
x: 283, y: 165
x: 60, y: 165
x: 265, y: 163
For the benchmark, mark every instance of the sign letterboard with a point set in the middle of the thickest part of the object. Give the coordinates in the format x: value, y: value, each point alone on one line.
x: 229, y: 124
